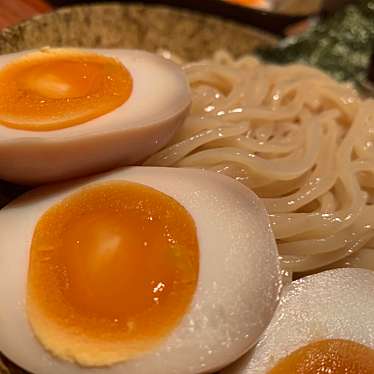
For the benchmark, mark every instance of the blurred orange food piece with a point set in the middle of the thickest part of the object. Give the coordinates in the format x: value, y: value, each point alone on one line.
x: 263, y: 4
x: 13, y: 11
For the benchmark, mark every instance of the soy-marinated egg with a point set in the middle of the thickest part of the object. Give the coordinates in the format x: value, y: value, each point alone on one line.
x: 324, y: 324
x: 71, y: 112
x: 139, y: 270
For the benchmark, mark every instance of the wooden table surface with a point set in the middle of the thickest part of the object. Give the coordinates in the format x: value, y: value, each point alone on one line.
x: 13, y: 11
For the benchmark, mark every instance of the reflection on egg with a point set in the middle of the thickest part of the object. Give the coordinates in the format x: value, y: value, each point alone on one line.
x: 142, y: 270
x: 71, y: 112
x: 324, y: 324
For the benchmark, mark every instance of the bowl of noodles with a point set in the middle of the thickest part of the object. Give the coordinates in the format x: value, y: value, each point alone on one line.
x: 305, y: 153
x: 302, y: 141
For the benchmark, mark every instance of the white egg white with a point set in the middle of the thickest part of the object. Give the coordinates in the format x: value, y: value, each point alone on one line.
x: 237, y: 290
x: 159, y: 102
x: 335, y: 304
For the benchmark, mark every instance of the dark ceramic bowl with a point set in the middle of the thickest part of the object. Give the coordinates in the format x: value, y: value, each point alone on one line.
x: 275, y: 21
x: 189, y: 34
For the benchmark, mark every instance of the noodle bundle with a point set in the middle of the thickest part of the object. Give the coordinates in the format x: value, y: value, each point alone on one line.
x: 300, y: 140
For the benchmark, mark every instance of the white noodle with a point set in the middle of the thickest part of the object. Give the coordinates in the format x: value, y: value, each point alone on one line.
x: 302, y: 141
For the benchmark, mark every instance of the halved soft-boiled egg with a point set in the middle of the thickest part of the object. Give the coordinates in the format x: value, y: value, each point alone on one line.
x: 71, y: 112
x: 324, y: 325
x: 139, y: 270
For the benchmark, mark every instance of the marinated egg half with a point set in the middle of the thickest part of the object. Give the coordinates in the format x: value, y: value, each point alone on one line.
x: 71, y: 112
x: 139, y: 270
x: 324, y: 325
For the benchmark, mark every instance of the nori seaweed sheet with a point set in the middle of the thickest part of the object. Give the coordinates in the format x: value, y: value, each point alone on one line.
x: 340, y: 45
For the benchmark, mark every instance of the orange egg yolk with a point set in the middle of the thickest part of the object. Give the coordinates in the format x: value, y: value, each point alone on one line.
x: 112, y: 270
x: 55, y: 89
x: 328, y: 357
